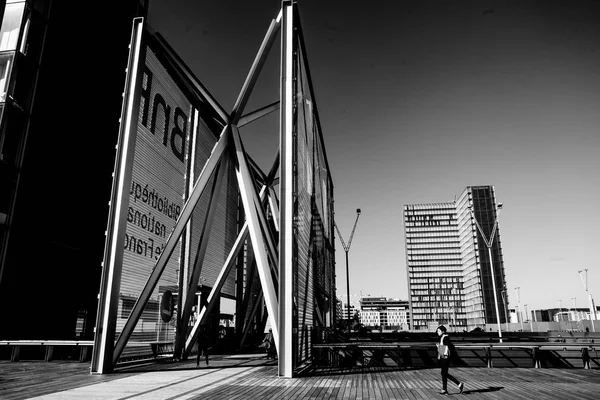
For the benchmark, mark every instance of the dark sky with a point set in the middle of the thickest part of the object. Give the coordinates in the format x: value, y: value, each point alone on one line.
x: 420, y: 99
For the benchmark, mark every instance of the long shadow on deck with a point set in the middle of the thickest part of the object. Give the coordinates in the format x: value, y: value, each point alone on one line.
x: 486, y: 390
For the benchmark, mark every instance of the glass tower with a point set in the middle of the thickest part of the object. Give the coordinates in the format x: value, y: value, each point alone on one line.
x: 448, y: 268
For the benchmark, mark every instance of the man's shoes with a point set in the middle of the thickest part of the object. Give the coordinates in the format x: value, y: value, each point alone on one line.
x: 461, y: 387
x: 443, y: 392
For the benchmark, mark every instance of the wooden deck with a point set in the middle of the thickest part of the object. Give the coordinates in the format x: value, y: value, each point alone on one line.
x: 254, y: 377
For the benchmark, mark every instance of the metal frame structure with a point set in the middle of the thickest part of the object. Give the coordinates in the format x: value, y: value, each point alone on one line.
x: 347, y: 249
x: 275, y: 262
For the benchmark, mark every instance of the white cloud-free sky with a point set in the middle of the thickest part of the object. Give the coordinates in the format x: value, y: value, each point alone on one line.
x: 418, y: 100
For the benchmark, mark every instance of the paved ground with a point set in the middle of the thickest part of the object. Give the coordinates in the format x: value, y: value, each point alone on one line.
x: 254, y: 377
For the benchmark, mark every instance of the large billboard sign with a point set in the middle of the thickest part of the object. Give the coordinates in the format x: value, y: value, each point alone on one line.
x: 157, y: 188
x: 167, y: 133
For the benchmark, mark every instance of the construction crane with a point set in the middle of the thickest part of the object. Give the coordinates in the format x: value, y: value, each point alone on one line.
x: 590, y: 298
x: 347, y: 249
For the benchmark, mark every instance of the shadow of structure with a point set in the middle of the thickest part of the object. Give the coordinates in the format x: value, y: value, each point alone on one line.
x: 355, y: 369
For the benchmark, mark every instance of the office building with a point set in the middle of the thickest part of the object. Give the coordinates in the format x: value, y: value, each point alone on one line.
x: 448, y: 264
x: 385, y: 313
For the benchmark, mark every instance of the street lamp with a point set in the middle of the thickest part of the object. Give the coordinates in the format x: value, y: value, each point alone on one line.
x: 489, y: 243
x: 590, y: 298
x: 347, y: 249
x: 519, y: 316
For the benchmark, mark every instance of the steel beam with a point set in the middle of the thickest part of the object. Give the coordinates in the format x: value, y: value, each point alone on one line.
x: 187, y: 75
x: 108, y: 297
x: 286, y: 220
x: 247, y: 188
x: 216, y: 289
x: 192, y: 284
x: 252, y: 77
x: 261, y: 112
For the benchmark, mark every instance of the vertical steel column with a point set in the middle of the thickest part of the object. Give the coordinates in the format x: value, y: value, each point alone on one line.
x: 184, y: 273
x: 106, y: 320
x: 286, y: 195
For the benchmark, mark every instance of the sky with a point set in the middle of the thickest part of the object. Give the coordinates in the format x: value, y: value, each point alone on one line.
x: 418, y: 100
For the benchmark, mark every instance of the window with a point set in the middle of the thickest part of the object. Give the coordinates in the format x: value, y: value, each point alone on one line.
x: 5, y: 67
x: 23, y: 47
x: 11, y: 25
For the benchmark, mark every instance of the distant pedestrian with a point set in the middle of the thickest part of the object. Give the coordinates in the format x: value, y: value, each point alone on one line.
x: 202, y: 345
x: 222, y: 339
x: 446, y: 352
x: 268, y: 344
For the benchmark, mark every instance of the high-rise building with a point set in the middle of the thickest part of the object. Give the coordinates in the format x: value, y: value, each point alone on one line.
x: 448, y: 263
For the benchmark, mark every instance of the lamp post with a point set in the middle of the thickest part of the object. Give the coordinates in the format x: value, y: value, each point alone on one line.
x: 519, y: 317
x: 489, y: 243
x: 590, y: 298
x: 347, y: 249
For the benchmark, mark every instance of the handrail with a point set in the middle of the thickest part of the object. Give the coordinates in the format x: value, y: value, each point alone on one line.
x: 356, y: 352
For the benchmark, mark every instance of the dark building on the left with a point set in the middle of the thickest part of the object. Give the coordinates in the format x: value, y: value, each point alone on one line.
x: 62, y: 73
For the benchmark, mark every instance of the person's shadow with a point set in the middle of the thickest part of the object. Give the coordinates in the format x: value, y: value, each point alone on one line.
x: 488, y: 389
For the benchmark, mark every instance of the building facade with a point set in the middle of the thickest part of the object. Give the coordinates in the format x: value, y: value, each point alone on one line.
x: 385, y: 313
x: 59, y: 111
x: 448, y: 264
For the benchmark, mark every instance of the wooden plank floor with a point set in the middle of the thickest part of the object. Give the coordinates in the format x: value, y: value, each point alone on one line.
x: 254, y: 377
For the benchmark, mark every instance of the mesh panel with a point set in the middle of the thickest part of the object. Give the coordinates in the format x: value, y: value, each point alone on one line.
x: 313, y: 250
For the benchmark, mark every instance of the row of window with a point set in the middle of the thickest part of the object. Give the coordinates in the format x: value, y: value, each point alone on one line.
x: 442, y: 230
x: 427, y: 243
x: 388, y: 313
x: 434, y: 255
x: 430, y: 316
x: 431, y: 223
x: 426, y: 298
x: 432, y: 208
x: 434, y: 280
x: 429, y: 217
x: 434, y: 288
x: 432, y: 266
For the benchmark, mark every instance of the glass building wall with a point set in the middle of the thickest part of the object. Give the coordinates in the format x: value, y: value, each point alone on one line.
x: 479, y: 291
